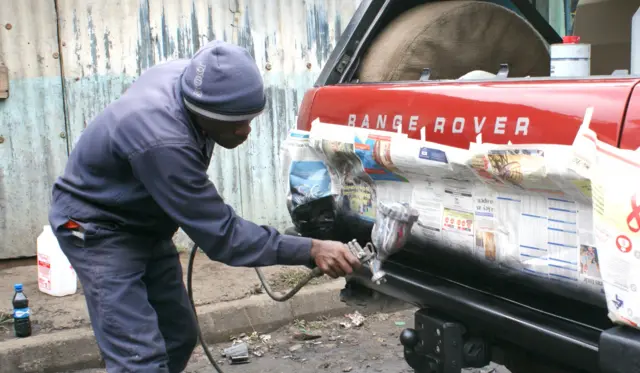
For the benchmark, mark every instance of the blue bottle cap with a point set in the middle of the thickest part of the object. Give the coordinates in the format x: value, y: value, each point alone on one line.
x: 17, y: 287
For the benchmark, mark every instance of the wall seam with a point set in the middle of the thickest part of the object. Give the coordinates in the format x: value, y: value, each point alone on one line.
x: 67, y: 125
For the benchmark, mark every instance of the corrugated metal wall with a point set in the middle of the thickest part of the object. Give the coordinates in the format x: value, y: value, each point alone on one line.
x: 103, y: 45
x: 32, y: 123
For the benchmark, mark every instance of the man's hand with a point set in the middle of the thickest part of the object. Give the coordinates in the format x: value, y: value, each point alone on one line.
x: 334, y: 258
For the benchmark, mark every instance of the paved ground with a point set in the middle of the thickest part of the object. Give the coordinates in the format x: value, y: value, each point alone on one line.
x: 372, y: 347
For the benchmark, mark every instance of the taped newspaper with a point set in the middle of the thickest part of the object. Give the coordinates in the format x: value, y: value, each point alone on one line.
x: 525, y: 210
x: 307, y: 174
x: 615, y: 177
x: 310, y: 189
x: 358, y: 160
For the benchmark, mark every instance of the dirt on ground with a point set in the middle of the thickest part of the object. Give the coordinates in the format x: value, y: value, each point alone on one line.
x: 353, y: 343
x: 212, y: 283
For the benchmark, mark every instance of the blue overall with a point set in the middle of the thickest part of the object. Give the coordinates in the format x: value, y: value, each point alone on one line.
x: 136, y: 174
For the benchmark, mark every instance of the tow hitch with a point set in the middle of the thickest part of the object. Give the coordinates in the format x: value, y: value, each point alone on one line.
x: 439, y: 345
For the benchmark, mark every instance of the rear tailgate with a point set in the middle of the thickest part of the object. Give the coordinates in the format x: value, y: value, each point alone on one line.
x: 454, y: 113
x: 520, y: 111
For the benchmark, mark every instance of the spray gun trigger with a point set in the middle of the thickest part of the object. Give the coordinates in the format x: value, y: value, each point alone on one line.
x: 367, y: 257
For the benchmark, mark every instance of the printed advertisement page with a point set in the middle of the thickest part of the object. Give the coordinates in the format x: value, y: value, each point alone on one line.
x: 421, y: 159
x: 544, y: 236
x: 335, y: 145
x: 507, y: 217
x: 616, y: 205
x: 458, y: 220
x: 527, y: 168
x: 485, y: 222
x: 357, y: 189
x: 429, y: 167
x: 562, y: 239
x: 589, y: 267
x: 479, y: 163
x: 308, y: 175
x: 373, y: 148
x: 427, y: 198
x: 361, y: 162
x: 374, y: 151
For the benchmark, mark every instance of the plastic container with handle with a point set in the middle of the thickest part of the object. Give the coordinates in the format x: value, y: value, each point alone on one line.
x: 56, y: 276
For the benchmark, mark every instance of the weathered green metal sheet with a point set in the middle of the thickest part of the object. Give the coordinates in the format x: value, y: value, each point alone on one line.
x: 33, y: 148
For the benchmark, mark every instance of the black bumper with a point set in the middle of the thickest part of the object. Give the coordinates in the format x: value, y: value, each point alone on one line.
x: 548, y: 336
x: 565, y: 331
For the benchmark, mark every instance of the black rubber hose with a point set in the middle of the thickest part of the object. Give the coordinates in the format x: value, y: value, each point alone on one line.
x: 279, y: 298
x: 283, y: 298
x: 192, y: 257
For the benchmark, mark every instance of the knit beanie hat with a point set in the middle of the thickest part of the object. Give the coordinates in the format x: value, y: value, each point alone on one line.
x: 223, y: 82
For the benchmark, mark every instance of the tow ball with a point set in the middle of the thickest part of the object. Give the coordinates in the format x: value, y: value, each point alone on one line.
x: 439, y: 345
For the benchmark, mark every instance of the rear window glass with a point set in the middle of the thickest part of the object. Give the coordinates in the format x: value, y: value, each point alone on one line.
x: 559, y: 13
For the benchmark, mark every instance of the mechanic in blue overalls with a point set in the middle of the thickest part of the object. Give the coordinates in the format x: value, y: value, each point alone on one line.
x: 137, y: 173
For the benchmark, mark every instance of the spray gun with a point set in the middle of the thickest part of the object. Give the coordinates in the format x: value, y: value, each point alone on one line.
x: 390, y: 233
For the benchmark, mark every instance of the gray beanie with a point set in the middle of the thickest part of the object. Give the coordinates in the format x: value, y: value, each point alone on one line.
x: 223, y: 82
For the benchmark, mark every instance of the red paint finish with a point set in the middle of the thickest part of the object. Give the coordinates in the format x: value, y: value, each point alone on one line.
x: 304, y: 114
x: 452, y: 113
x: 630, y: 138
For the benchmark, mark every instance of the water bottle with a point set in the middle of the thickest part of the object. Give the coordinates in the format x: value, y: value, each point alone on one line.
x: 21, y: 313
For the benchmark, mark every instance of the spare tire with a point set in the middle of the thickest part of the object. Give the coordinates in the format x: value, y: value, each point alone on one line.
x: 453, y: 38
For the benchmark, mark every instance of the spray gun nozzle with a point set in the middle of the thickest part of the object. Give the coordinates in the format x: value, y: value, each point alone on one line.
x: 390, y: 233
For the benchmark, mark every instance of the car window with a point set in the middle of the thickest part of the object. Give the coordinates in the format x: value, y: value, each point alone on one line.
x: 559, y: 14
x: 555, y: 20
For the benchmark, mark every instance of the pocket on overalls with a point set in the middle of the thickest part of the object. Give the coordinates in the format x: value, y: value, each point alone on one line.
x: 78, y: 232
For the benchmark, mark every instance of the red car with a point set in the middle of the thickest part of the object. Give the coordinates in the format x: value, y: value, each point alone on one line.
x: 396, y: 68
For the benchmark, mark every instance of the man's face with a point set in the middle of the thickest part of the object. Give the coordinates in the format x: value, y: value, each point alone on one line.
x: 226, y: 134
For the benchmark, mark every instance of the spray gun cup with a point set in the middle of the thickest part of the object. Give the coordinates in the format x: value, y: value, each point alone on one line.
x: 390, y: 233
x: 392, y: 228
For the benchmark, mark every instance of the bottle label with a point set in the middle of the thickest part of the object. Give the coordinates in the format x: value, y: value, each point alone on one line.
x: 21, y: 313
x: 44, y: 272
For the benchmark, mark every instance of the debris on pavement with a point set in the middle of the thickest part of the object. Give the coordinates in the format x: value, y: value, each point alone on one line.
x: 238, y: 353
x: 256, y: 344
x: 303, y: 336
x: 373, y: 347
x: 265, y: 338
x: 251, y: 339
x: 400, y: 323
x: 355, y: 319
x: 303, y: 330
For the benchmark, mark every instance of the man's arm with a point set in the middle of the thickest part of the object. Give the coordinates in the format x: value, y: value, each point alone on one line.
x: 176, y: 177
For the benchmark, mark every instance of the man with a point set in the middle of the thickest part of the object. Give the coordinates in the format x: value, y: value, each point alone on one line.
x: 137, y: 173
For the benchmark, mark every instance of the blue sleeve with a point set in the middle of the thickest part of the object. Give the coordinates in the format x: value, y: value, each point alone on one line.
x: 176, y: 177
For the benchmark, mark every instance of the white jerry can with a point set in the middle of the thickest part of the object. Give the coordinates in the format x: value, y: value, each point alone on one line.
x: 55, y: 274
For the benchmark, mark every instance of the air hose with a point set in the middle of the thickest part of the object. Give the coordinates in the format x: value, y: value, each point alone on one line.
x: 267, y: 288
